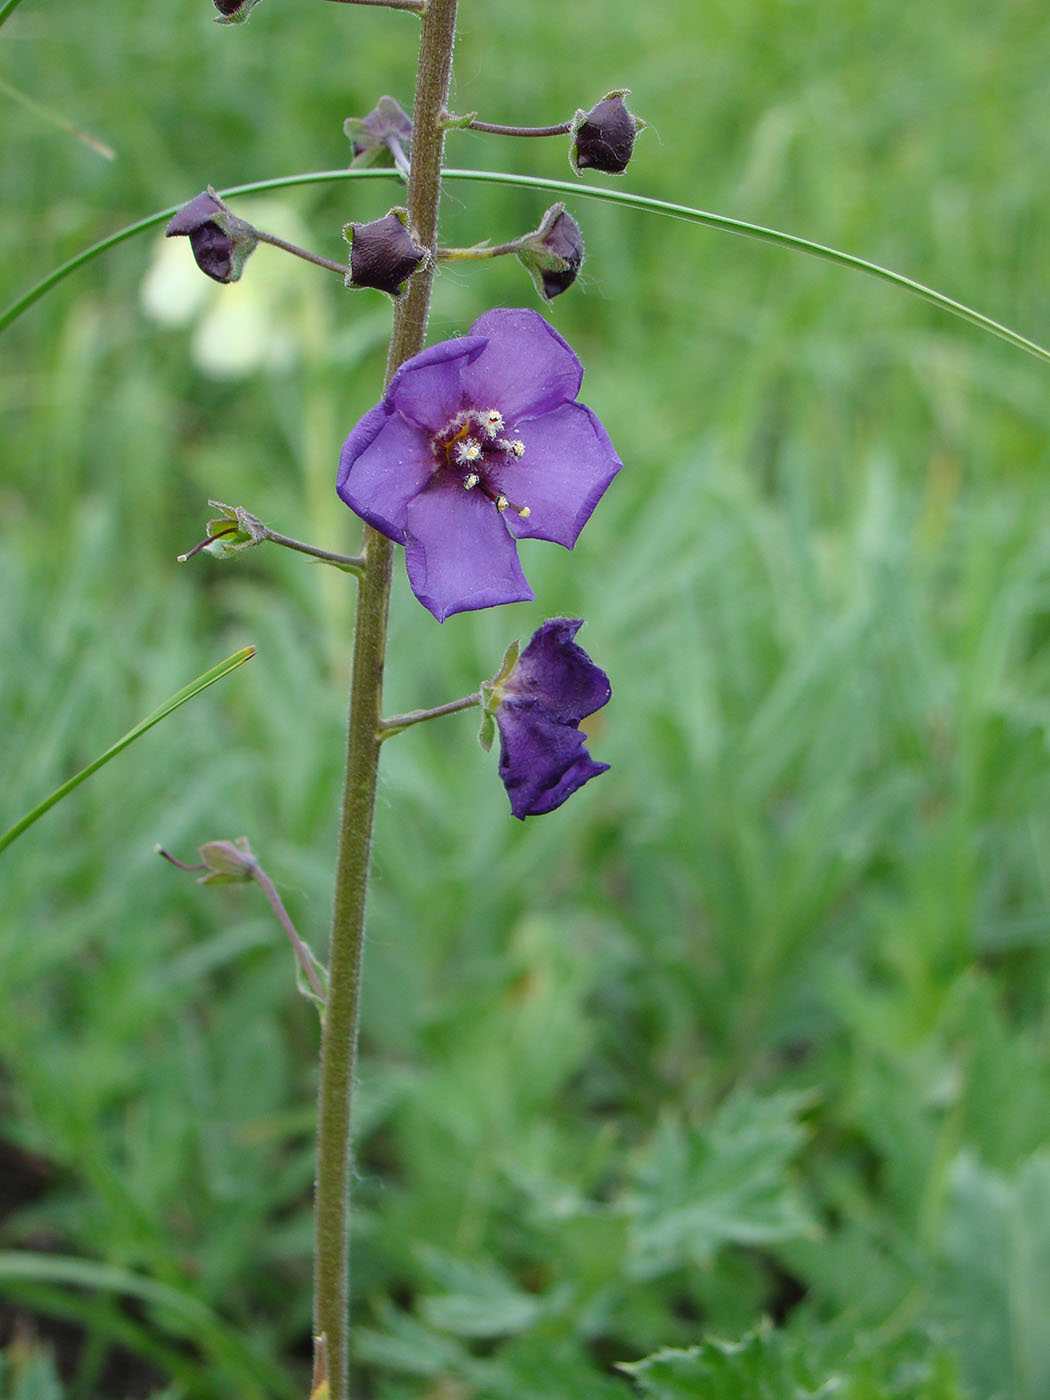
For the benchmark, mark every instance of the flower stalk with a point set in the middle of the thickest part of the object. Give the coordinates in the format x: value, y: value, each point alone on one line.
x: 396, y: 723
x: 339, y: 1042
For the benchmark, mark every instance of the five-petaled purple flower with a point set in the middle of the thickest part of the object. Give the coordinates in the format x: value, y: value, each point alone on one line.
x: 477, y: 443
x: 538, y: 700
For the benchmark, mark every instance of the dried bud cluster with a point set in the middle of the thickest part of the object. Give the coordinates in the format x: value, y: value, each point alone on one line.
x: 603, y: 138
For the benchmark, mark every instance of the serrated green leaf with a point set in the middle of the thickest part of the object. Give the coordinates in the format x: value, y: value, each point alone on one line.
x: 759, y: 1367
x: 726, y: 1183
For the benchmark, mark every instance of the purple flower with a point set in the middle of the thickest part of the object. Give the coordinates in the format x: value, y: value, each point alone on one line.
x: 538, y: 700
x: 478, y: 443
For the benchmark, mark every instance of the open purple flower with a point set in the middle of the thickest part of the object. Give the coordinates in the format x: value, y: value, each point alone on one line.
x: 477, y: 443
x: 537, y: 701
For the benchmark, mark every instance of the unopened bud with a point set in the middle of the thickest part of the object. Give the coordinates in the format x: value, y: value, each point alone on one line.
x: 233, y: 11
x: 228, y: 862
x: 384, y: 137
x: 221, y: 242
x: 233, y: 532
x: 554, y: 253
x: 603, y: 138
x: 383, y: 254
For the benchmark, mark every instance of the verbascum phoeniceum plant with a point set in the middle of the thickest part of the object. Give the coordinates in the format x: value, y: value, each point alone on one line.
x: 474, y: 443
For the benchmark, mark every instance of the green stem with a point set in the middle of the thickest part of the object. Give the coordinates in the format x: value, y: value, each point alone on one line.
x: 496, y: 129
x: 339, y: 1042
x: 351, y: 564
x: 479, y: 250
x: 396, y: 723
x: 304, y: 253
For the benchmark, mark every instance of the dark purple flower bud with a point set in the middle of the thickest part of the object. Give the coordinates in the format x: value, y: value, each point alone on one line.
x: 221, y: 242
x: 554, y: 253
x: 233, y: 11
x: 603, y: 138
x: 384, y: 137
x: 477, y: 443
x: 538, y: 700
x: 383, y: 254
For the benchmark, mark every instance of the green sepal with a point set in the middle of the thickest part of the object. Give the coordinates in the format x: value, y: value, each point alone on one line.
x: 240, y: 15
x: 450, y: 122
x: 492, y: 695
x: 302, y: 983
x: 250, y: 531
x: 486, y: 730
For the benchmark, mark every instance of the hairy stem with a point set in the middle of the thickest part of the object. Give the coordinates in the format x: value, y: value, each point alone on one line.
x: 497, y: 129
x: 339, y: 1042
x: 304, y: 253
x: 394, y: 725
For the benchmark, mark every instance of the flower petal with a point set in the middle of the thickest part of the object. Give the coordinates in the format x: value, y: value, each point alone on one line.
x: 568, y: 462
x: 428, y: 388
x: 558, y: 674
x: 525, y: 369
x: 541, y: 762
x: 385, y: 462
x: 458, y: 553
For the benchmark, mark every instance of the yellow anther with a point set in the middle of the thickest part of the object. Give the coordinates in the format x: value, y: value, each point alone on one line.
x: 501, y: 503
x: 470, y: 481
x: 525, y: 512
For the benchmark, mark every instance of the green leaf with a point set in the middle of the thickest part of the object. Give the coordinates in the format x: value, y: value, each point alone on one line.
x: 759, y: 1367
x: 188, y: 692
x: 727, y: 1183
x: 995, y: 1277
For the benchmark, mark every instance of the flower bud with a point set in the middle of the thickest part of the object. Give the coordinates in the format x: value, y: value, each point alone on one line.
x: 233, y: 532
x: 603, y: 138
x: 233, y: 11
x: 554, y: 253
x: 228, y: 862
x: 221, y: 242
x: 383, y: 254
x: 384, y: 137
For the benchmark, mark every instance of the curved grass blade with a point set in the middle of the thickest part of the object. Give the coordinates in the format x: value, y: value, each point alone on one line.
x: 53, y: 118
x: 209, y: 1332
x: 217, y: 673
x: 630, y: 201
x: 8, y: 9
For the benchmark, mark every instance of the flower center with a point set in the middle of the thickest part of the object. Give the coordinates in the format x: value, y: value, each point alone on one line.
x: 474, y: 449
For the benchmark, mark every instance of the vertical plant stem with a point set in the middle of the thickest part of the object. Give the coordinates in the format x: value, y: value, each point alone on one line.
x: 339, y: 1042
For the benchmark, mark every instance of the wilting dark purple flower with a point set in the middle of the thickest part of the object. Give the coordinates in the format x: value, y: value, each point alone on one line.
x: 383, y: 254
x: 537, y: 707
x: 478, y: 443
x: 220, y: 241
x: 554, y: 253
x: 603, y: 138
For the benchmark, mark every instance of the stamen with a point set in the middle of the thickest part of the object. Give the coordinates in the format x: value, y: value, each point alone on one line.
x: 469, y: 450
x: 525, y: 512
x: 514, y: 446
x: 492, y: 422
x: 501, y: 503
x: 470, y: 481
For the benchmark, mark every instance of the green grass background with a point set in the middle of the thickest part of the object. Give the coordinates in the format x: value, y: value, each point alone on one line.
x: 755, y: 1026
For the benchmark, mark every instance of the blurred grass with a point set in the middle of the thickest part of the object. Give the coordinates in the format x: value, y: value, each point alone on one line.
x: 804, y: 919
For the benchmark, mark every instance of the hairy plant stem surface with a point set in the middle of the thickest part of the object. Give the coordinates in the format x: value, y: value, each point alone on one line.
x: 339, y: 1042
